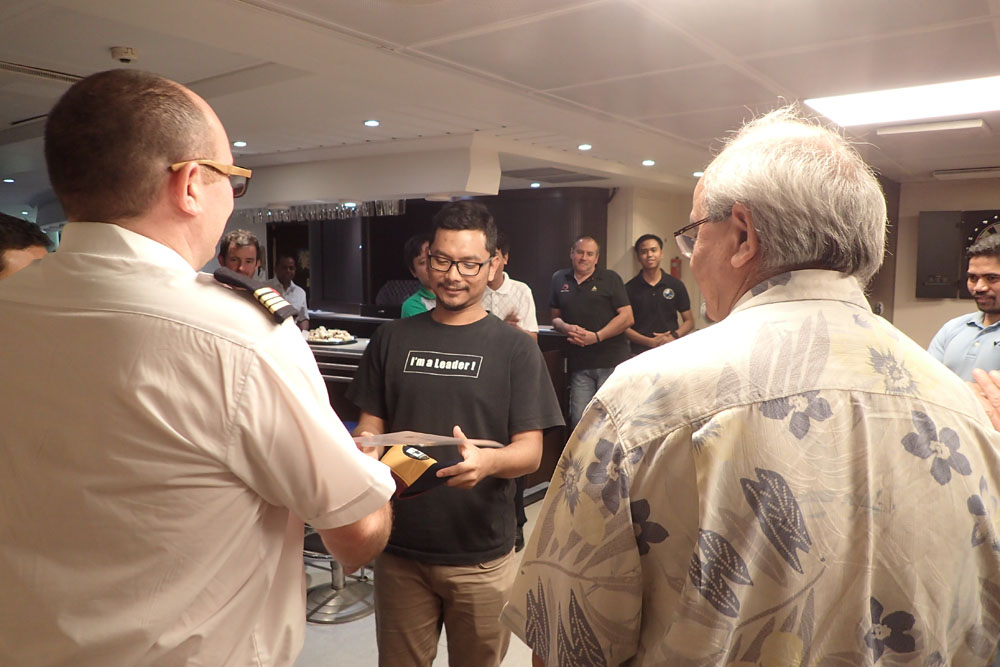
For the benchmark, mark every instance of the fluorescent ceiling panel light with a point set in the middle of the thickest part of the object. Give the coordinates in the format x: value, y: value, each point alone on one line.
x: 964, y: 174
x: 536, y: 185
x: 239, y: 144
x: 955, y: 98
x: 584, y: 147
x: 372, y: 123
x: 648, y: 163
x: 970, y: 124
x: 698, y: 174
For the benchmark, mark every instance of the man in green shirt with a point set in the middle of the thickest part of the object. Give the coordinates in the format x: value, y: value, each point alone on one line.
x: 415, y: 254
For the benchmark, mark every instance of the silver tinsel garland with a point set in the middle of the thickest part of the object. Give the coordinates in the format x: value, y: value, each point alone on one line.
x: 310, y: 212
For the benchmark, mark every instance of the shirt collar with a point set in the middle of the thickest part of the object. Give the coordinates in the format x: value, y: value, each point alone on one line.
x: 978, y: 320
x: 504, y: 286
x: 110, y: 240
x: 805, y: 284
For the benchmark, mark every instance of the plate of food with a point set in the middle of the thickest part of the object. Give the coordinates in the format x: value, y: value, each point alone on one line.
x: 324, y: 336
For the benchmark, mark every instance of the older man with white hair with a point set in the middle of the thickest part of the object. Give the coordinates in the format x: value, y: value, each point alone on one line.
x: 798, y: 484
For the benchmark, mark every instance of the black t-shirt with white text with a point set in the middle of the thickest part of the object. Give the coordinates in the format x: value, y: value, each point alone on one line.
x: 488, y: 378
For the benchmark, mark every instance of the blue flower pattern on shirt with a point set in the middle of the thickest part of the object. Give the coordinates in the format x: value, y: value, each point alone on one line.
x: 942, y: 446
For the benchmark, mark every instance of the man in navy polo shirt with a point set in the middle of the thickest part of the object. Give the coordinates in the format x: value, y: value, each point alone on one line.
x: 657, y: 299
x: 973, y: 340
x: 591, y: 307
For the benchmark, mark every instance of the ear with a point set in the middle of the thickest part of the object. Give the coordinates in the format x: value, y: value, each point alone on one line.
x: 186, y: 191
x: 494, y: 265
x: 749, y: 246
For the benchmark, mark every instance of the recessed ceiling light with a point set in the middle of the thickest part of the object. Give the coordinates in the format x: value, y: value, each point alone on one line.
x: 954, y: 98
x: 372, y: 123
x: 8, y: 180
x: 584, y: 147
x: 24, y: 213
x: 350, y: 204
x: 239, y: 144
x: 698, y: 174
x: 648, y: 163
x: 536, y: 185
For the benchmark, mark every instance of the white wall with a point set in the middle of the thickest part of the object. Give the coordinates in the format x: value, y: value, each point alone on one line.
x: 634, y: 212
x: 921, y: 318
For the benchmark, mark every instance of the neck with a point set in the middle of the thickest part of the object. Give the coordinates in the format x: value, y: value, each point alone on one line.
x: 284, y: 284
x: 651, y: 276
x: 580, y: 277
x: 990, y: 318
x: 497, y: 281
x: 467, y: 315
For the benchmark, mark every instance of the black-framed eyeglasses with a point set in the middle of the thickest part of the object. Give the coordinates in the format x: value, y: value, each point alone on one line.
x: 685, y: 238
x: 239, y: 178
x: 465, y: 267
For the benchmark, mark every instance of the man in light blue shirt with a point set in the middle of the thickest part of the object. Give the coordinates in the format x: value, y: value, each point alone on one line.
x: 973, y: 340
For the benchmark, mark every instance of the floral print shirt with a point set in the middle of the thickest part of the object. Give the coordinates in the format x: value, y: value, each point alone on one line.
x: 800, y: 484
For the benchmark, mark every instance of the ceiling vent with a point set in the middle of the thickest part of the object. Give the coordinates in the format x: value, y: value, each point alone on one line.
x: 38, y: 72
x: 551, y: 175
x: 963, y: 174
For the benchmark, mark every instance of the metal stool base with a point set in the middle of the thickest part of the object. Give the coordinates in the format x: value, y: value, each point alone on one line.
x: 355, y: 600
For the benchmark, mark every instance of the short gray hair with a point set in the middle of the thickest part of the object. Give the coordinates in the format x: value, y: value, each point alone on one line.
x: 815, y: 203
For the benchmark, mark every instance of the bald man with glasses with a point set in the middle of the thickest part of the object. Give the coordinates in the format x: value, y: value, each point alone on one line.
x: 154, y: 513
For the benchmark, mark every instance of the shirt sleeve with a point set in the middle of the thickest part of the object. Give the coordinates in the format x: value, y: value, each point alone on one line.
x: 412, y: 306
x: 289, y: 446
x: 577, y: 598
x: 526, y: 309
x: 367, y: 389
x: 619, y: 297
x: 939, y: 342
x: 683, y: 299
x: 533, y: 403
x: 554, y: 290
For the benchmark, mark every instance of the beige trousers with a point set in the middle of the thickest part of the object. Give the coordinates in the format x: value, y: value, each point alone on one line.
x: 413, y: 600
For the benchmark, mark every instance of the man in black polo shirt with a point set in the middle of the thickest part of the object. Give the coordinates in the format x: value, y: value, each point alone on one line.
x: 591, y: 307
x: 657, y: 298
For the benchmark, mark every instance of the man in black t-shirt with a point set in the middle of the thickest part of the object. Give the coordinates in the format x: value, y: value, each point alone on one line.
x: 454, y: 370
x: 591, y: 307
x: 657, y: 299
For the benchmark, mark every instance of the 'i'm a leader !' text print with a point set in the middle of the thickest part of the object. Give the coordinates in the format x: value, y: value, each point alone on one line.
x: 443, y: 363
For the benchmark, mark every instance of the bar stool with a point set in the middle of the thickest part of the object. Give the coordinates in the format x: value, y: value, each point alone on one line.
x: 345, y: 598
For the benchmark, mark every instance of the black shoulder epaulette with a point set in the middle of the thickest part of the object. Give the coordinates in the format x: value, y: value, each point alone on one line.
x: 266, y: 295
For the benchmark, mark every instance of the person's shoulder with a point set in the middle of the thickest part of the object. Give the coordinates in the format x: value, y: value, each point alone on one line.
x: 673, y: 281
x: 958, y: 323
x: 608, y: 274
x: 518, y: 284
x: 561, y: 274
x: 635, y: 281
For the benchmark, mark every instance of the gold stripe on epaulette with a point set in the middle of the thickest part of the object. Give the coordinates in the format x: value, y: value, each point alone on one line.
x: 277, y: 304
x: 271, y: 299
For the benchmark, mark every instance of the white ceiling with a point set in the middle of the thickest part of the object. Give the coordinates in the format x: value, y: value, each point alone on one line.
x: 531, y: 79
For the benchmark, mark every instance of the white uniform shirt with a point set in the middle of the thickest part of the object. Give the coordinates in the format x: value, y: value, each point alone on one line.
x: 295, y: 296
x: 513, y: 296
x: 162, y: 437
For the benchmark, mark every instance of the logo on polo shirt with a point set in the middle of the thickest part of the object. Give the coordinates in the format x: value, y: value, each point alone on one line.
x: 594, y: 288
x: 443, y: 363
x: 564, y: 288
x: 668, y: 293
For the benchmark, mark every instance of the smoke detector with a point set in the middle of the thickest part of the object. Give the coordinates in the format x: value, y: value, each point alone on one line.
x: 124, y: 54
